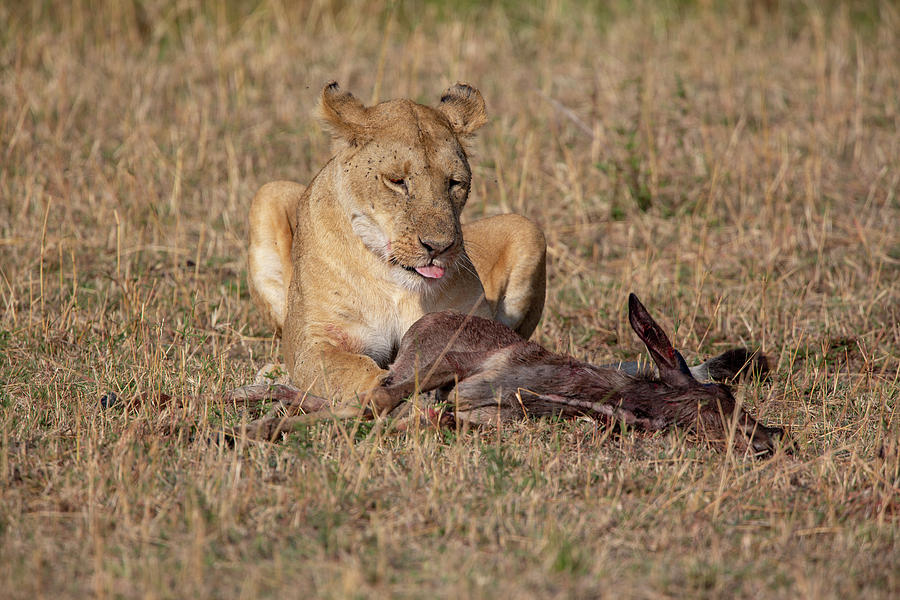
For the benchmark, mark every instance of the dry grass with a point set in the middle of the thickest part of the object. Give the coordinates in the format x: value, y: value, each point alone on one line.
x: 739, y: 169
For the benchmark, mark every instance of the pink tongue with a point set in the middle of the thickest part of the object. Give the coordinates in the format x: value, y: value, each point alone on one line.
x: 431, y: 271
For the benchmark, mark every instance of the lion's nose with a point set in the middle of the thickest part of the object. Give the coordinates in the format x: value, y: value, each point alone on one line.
x: 435, y: 246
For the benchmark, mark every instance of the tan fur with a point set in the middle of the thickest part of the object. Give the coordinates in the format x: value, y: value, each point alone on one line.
x: 332, y: 265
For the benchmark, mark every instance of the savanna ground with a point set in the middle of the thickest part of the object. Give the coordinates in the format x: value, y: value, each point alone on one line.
x: 736, y: 165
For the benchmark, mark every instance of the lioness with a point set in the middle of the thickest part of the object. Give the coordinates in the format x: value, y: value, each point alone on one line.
x: 345, y: 265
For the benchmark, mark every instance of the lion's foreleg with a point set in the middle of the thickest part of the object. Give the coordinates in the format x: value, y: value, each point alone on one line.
x: 329, y: 371
x: 509, y: 253
x: 269, y: 253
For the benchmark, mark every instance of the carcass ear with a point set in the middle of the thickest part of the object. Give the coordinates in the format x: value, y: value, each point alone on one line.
x: 343, y: 114
x: 464, y: 108
x: 672, y: 368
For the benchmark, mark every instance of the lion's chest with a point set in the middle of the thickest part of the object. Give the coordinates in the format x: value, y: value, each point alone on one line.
x: 378, y: 331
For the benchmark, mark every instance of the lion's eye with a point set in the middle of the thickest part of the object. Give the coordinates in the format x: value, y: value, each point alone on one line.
x: 397, y: 184
x: 455, y: 183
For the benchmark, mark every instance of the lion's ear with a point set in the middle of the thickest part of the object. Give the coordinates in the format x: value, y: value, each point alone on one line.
x: 464, y: 108
x: 343, y: 113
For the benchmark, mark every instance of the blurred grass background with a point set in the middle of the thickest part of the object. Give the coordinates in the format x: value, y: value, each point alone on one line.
x: 734, y: 163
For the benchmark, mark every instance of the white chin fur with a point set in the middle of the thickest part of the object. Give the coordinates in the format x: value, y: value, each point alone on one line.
x: 416, y: 283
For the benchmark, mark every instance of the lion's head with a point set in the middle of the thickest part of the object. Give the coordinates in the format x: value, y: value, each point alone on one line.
x: 403, y: 177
